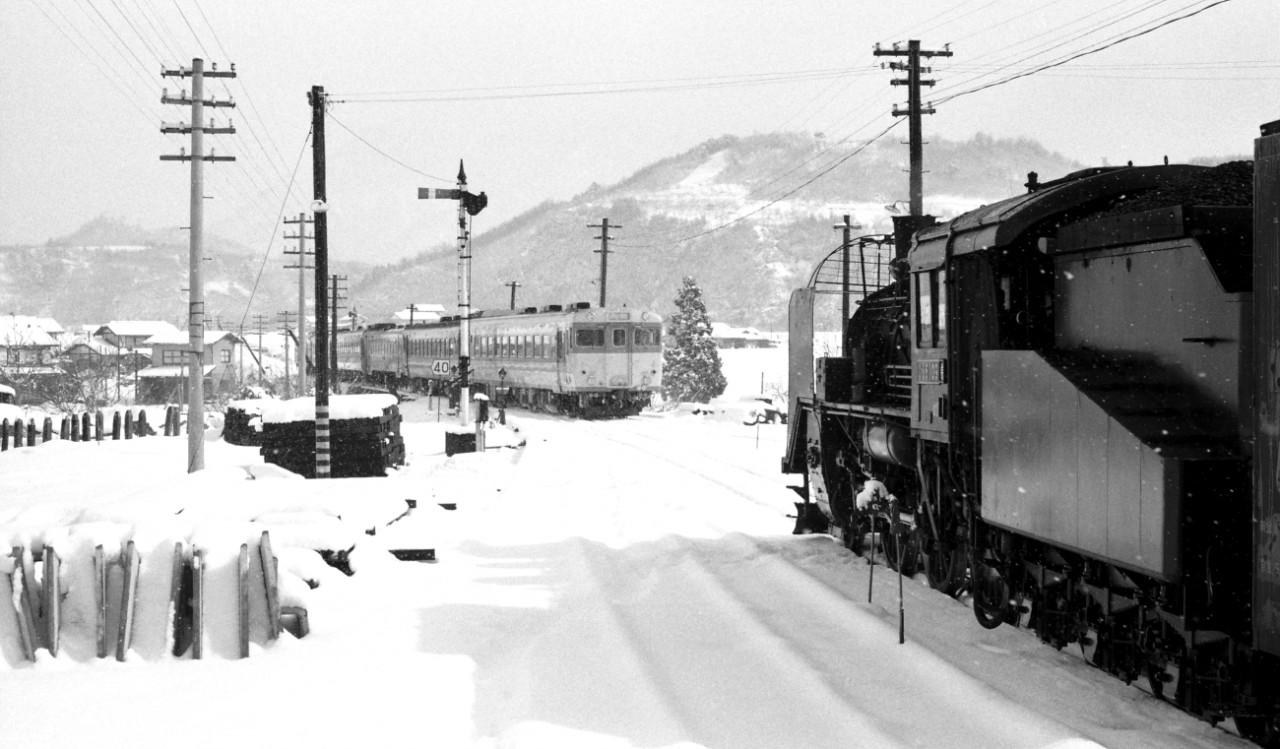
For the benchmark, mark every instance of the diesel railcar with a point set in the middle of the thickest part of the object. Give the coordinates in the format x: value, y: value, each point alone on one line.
x: 574, y: 359
x: 1065, y: 403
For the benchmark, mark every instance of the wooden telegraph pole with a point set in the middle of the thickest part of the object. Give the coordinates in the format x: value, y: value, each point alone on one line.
x: 197, y: 128
x: 604, y: 238
x: 320, y: 208
x: 514, y: 285
x: 302, y: 267
x: 914, y: 109
x: 468, y: 205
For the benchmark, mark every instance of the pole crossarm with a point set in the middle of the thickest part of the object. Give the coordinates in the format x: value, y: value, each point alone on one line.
x: 185, y: 100
x: 185, y: 157
x: 186, y: 129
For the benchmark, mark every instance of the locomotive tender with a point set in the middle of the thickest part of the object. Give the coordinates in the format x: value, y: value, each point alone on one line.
x: 1066, y: 403
x: 574, y: 359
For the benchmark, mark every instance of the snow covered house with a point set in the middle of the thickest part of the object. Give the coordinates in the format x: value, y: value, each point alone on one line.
x: 26, y: 344
x: 417, y: 313
x: 165, y: 381
x: 730, y: 337
x: 132, y: 334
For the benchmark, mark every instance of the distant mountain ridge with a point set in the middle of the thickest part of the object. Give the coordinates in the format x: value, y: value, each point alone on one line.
x: 747, y: 241
x: 727, y: 212
x: 111, y: 270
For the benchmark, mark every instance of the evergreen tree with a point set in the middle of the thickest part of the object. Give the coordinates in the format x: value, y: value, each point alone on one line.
x: 691, y: 368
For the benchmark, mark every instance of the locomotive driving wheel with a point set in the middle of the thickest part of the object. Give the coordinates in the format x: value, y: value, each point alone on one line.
x: 901, y: 552
x: 945, y: 563
x: 991, y: 597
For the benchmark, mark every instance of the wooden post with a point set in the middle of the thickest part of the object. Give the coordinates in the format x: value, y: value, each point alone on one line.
x: 64, y: 428
x: 115, y: 426
x: 46, y: 433
x: 128, y: 600
x: 128, y: 424
x: 4, y: 435
x: 52, y: 599
x: 197, y: 604
x: 84, y: 427
x: 31, y: 433
x: 243, y: 608
x: 97, y: 423
x: 141, y: 426
x: 26, y: 625
x: 18, y: 432
x: 271, y: 584
x: 100, y: 597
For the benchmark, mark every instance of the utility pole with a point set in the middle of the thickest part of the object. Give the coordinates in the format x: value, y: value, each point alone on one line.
x: 468, y: 204
x: 513, y: 285
x: 914, y: 109
x: 320, y: 208
x: 260, y: 322
x: 604, y: 238
x: 197, y: 128
x: 285, y: 318
x: 333, y: 337
x: 302, y: 267
x: 847, y: 228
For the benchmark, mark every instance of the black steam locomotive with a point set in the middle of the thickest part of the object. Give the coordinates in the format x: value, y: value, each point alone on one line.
x: 1067, y: 404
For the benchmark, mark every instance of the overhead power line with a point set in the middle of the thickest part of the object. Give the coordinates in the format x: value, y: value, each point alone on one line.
x: 1085, y: 53
x: 386, y: 155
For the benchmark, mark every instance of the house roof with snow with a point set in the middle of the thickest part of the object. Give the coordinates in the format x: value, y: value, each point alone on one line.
x: 417, y: 313
x: 137, y: 328
x: 721, y: 330
x: 182, y: 337
x: 47, y: 324
x: 96, y: 345
x: 22, y: 331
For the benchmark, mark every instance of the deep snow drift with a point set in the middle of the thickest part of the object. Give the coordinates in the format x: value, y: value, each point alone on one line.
x: 604, y: 584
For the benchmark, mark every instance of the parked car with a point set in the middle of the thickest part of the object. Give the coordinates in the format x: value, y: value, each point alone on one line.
x: 762, y: 410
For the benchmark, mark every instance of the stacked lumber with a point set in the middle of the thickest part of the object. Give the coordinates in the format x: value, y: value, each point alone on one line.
x: 364, y: 446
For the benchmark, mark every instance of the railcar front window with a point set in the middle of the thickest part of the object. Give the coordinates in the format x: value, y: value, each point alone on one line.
x: 619, y: 337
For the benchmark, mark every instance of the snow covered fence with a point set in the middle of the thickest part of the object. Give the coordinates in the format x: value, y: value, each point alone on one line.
x: 25, y: 433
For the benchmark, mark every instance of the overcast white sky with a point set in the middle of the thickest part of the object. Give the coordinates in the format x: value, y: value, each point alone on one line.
x: 501, y: 83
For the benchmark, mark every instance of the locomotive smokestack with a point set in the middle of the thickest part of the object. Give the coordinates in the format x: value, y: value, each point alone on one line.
x: 1033, y: 182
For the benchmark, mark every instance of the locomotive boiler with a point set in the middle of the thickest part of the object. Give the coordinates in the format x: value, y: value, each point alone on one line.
x: 1064, y: 404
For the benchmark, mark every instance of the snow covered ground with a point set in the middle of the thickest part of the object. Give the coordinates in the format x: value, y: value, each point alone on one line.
x: 604, y: 584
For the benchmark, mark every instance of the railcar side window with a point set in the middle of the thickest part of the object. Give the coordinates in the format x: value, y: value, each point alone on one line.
x: 931, y: 309
x: 619, y: 337
x: 924, y: 311
x: 586, y: 337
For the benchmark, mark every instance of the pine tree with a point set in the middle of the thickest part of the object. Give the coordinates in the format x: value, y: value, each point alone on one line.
x: 691, y: 369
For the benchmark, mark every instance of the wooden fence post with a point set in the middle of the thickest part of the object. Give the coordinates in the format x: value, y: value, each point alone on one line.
x: 128, y: 424
x: 31, y: 433
x: 97, y: 424
x: 115, y: 426
x: 84, y: 427
x: 64, y: 428
x: 4, y: 435
x: 46, y: 434
x: 141, y: 425
x: 18, y: 432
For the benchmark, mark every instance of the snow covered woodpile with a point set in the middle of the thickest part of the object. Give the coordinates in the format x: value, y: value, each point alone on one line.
x: 243, y: 424
x: 364, y: 435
